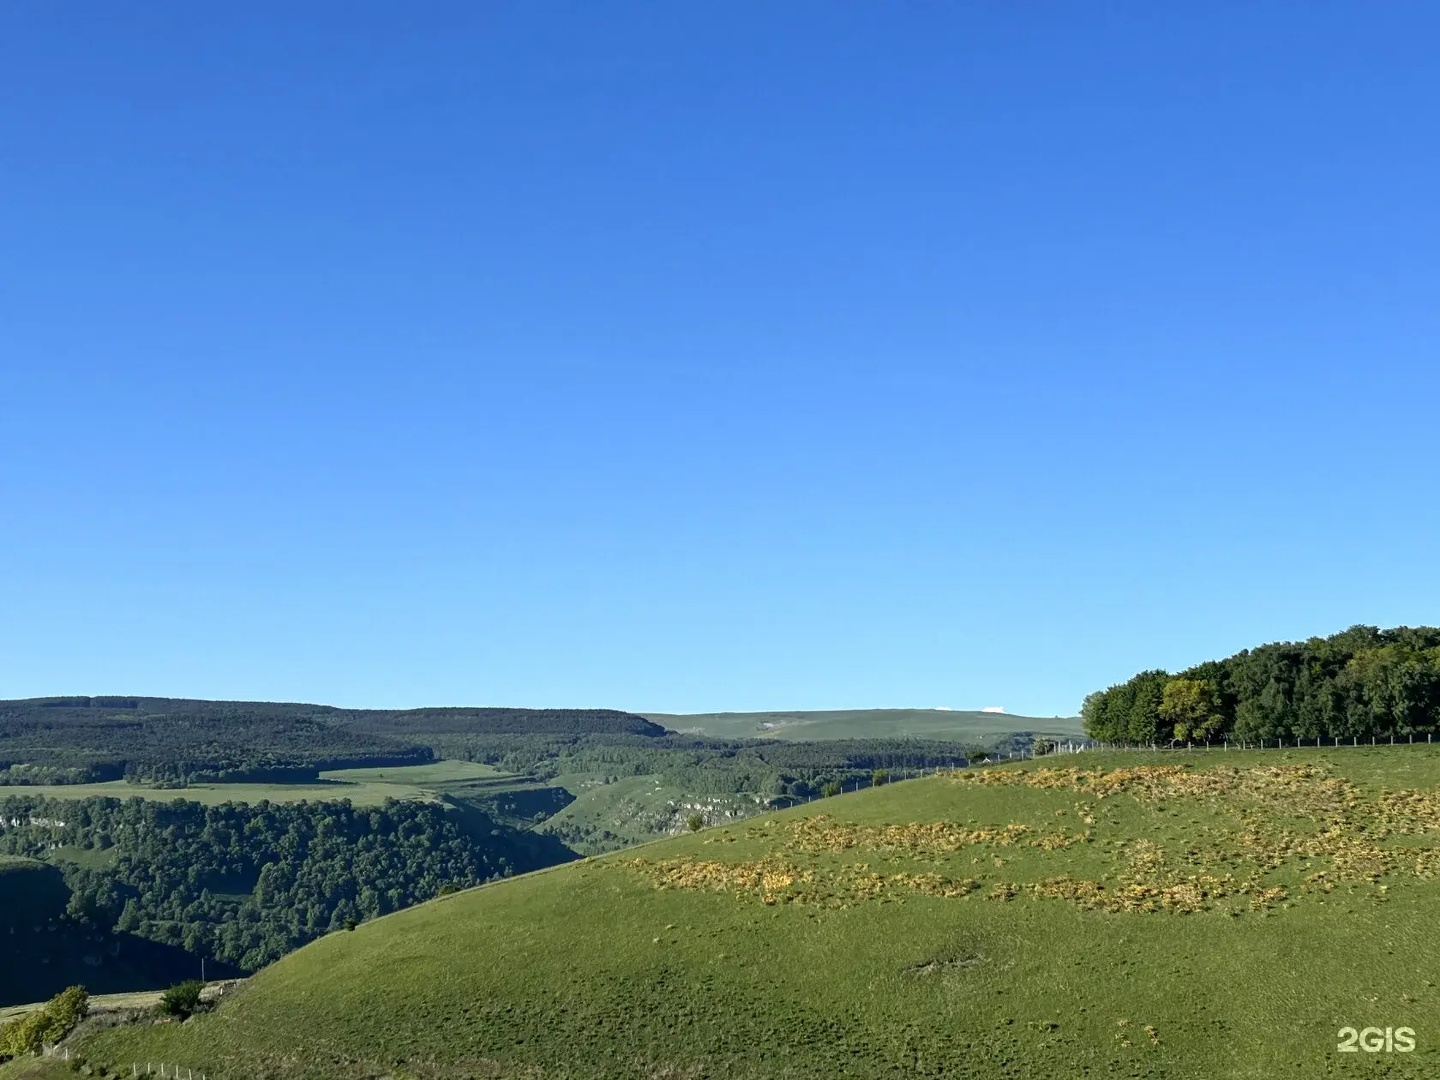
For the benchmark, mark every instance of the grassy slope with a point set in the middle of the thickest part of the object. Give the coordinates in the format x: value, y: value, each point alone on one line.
x: 865, y: 724
x: 591, y: 970
x: 638, y: 808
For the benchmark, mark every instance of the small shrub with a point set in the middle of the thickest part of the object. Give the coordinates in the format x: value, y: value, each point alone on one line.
x: 696, y: 822
x: 182, y: 1000
x: 830, y: 789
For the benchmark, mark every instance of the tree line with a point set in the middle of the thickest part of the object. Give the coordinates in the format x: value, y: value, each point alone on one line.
x: 1362, y: 683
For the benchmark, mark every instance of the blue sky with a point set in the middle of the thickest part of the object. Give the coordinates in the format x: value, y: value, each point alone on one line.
x: 692, y: 357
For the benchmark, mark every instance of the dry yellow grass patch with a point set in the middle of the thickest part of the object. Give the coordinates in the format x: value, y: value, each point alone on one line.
x: 935, y: 884
x: 1302, y: 789
x: 1197, y: 893
x: 776, y: 880
x: 769, y: 878
x: 1410, y: 812
x: 1271, y: 818
x: 820, y: 835
x: 1058, y: 841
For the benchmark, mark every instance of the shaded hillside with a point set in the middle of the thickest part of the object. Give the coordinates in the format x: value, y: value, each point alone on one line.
x: 31, y: 893
x: 1177, y: 918
x: 45, y: 950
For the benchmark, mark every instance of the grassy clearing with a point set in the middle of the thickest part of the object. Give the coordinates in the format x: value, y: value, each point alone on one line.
x: 957, y: 726
x: 90, y: 858
x: 440, y: 772
x: 1200, y: 916
x: 215, y: 794
x: 98, y: 1003
x: 102, y: 1004
x: 363, y: 787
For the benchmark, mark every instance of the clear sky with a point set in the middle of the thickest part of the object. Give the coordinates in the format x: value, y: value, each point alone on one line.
x: 709, y: 356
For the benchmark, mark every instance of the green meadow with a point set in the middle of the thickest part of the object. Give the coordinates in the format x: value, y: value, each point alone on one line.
x: 363, y: 787
x: 1149, y: 915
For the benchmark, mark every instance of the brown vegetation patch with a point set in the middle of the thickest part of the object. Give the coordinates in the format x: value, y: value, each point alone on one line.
x: 820, y: 835
x: 775, y: 880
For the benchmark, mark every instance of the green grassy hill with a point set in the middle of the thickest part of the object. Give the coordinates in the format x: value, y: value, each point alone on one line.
x: 1165, y: 916
x: 958, y: 726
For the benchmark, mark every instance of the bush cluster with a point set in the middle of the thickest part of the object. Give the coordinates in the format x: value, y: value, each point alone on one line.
x: 46, y: 1026
x: 1361, y: 683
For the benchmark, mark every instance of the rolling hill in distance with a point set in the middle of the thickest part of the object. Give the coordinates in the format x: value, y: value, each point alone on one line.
x: 977, y: 726
x: 1187, y: 917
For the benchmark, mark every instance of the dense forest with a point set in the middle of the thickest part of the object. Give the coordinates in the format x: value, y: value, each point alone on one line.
x: 1359, y: 684
x: 175, y: 742
x: 245, y: 884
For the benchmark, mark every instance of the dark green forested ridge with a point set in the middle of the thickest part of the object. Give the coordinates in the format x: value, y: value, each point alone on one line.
x: 175, y: 741
x: 1362, y: 683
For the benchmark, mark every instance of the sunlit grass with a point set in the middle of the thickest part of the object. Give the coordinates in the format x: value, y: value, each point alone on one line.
x: 1193, y: 916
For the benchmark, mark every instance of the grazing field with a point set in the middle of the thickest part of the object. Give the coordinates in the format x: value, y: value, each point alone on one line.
x: 438, y: 773
x: 1191, y: 916
x: 957, y: 726
x: 363, y: 787
x: 361, y: 794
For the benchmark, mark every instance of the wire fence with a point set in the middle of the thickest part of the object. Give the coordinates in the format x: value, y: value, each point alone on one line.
x: 1318, y: 742
x: 1053, y: 748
